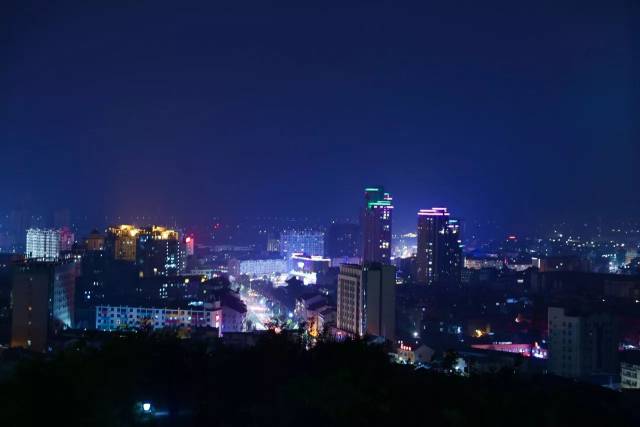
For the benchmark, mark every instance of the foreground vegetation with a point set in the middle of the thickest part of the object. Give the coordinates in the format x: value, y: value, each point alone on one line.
x: 277, y: 383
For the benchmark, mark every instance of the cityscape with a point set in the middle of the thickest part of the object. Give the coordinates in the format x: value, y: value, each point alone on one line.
x: 214, y: 239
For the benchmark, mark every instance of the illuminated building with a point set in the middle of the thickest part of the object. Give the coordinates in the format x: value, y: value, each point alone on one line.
x: 158, y: 252
x: 95, y: 241
x: 414, y: 354
x: 307, y: 267
x: 121, y: 242
x: 480, y: 263
x: 366, y: 300
x: 439, y: 256
x: 376, y: 226
x: 343, y: 240
x: 582, y: 343
x: 189, y: 244
x: 43, y: 244
x: 43, y: 302
x: 301, y: 241
x: 109, y: 318
x: 526, y: 349
x: 350, y: 300
x: 257, y: 267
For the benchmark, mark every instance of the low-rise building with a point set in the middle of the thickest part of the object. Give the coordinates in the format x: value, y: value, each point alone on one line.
x: 109, y: 318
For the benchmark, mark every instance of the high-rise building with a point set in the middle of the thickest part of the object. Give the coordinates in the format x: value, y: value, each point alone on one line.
x: 582, y: 343
x: 43, y: 244
x: 121, y: 242
x: 43, y: 296
x: 158, y: 252
x: 308, y: 242
x: 376, y: 226
x: 189, y: 244
x: 439, y: 256
x: 343, y: 240
x: 366, y: 300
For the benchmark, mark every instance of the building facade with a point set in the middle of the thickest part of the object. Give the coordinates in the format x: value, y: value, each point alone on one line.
x: 582, y: 343
x: 350, y: 300
x: 366, y: 300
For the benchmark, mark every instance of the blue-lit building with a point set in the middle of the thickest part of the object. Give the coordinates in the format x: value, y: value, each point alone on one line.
x: 110, y: 318
x: 308, y: 242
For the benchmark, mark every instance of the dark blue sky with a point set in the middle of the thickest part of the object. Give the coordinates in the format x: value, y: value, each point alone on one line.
x: 515, y: 111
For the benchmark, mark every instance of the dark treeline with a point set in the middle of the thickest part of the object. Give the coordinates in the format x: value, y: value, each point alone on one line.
x: 277, y: 383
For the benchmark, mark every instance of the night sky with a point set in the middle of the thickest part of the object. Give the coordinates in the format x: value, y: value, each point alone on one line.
x: 519, y: 112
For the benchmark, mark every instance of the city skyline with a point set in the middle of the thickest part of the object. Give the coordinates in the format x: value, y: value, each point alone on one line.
x: 330, y: 213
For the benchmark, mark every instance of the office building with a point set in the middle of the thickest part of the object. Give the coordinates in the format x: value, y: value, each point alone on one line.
x: 582, y: 343
x: 43, y: 296
x: 366, y: 300
x: 309, y: 242
x: 376, y: 222
x: 439, y: 256
x: 343, y: 240
x: 43, y: 244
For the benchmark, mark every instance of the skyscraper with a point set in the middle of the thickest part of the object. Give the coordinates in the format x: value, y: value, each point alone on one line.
x: 439, y: 257
x: 366, y: 300
x: 43, y: 244
x: 376, y: 226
